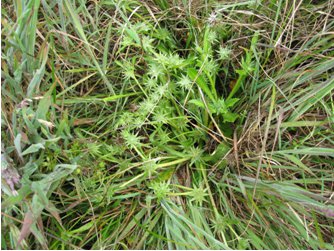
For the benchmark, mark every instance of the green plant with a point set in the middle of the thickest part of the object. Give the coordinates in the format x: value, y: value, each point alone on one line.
x: 167, y: 124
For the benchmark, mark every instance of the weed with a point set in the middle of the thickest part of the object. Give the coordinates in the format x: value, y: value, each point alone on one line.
x: 167, y: 124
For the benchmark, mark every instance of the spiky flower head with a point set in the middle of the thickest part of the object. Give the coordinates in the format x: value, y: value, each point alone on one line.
x: 125, y: 119
x: 147, y: 106
x: 155, y: 70
x: 147, y: 43
x: 211, y: 66
x: 131, y: 140
x: 184, y: 83
x: 151, y: 83
x: 212, y: 18
x: 196, y: 154
x: 150, y: 168
x: 224, y: 53
x: 160, y: 189
x: 128, y: 70
x: 212, y: 36
x: 162, y: 89
x: 198, y: 194
x: 160, y: 116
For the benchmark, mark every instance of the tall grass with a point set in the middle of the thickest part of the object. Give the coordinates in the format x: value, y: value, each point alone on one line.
x: 167, y: 124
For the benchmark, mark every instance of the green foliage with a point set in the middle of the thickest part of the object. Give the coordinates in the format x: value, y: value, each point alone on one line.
x: 160, y: 189
x: 167, y: 125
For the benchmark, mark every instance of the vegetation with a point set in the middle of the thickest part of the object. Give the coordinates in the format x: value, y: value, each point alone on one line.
x: 167, y: 124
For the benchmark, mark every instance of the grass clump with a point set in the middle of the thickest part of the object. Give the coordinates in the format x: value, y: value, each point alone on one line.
x: 167, y: 125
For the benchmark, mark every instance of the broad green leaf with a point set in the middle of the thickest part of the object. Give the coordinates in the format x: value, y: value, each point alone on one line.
x: 38, y: 76
x: 220, y: 152
x: 200, y: 103
x: 83, y: 228
x: 200, y: 80
x: 17, y: 143
x: 309, y: 151
x: 33, y: 148
x: 231, y: 102
x: 230, y: 117
x: 133, y: 35
x: 197, y: 102
x: 43, y: 107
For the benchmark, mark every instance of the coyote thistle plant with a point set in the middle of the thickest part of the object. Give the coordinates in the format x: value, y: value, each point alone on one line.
x: 201, y: 125
x: 150, y: 168
x: 161, y: 190
x: 185, y: 83
x: 131, y: 139
x: 224, y: 53
x: 198, y: 195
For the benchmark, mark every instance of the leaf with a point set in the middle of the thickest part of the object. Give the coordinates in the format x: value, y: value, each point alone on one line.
x: 236, y: 87
x: 132, y: 224
x: 133, y: 35
x: 36, y: 80
x: 152, y: 223
x: 39, y: 236
x: 14, y: 200
x: 83, y: 228
x: 17, y: 144
x: 182, y: 221
x: 40, y: 200
x: 310, y: 99
x: 165, y: 175
x: 221, y: 150
x: 76, y: 22
x: 43, y: 107
x: 200, y: 103
x: 309, y: 151
x: 46, y: 123
x: 26, y: 227
x: 230, y: 117
x: 298, y: 162
x: 200, y: 80
x: 115, y: 97
x: 33, y: 148
x: 231, y: 102
x: 197, y: 102
x: 220, y: 106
